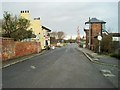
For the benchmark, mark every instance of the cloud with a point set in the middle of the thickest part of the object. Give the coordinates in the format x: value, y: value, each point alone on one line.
x: 62, y: 19
x: 60, y: 1
x: 66, y: 16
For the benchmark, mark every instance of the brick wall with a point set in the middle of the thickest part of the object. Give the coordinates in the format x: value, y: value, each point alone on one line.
x: 11, y: 49
x: 87, y: 37
x: 25, y: 48
x: 7, y: 48
x: 96, y: 28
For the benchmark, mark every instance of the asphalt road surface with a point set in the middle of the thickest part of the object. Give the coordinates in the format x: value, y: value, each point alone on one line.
x: 64, y: 67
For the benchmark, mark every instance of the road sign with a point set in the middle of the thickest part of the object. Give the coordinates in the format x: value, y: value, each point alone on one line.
x: 99, y: 38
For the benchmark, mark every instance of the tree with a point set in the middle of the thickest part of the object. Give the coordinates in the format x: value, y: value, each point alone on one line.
x: 16, y: 28
x: 0, y: 27
x: 106, y: 44
x: 53, y: 34
x: 9, y: 24
x: 61, y: 34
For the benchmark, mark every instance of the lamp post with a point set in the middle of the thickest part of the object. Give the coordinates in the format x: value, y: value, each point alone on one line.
x: 99, y: 39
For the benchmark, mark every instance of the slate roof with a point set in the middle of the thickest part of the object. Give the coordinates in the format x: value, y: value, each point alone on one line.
x: 46, y: 28
x: 95, y: 20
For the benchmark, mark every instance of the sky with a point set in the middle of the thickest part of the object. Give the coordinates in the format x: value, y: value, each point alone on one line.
x: 67, y: 16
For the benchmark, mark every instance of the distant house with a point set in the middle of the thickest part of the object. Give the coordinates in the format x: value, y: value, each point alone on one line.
x: 35, y: 24
x: 115, y: 36
x: 96, y: 27
x: 46, y: 36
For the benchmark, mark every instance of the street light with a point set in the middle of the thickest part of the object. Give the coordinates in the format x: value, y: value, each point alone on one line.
x: 99, y: 39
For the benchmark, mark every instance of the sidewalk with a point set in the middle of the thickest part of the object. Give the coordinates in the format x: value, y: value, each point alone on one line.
x: 107, y: 66
x: 103, y: 59
x: 19, y: 59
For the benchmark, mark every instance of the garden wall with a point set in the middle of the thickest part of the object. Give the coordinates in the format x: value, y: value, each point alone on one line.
x: 11, y: 49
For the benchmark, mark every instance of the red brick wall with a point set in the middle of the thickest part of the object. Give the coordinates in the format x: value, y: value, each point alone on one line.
x: 25, y: 48
x: 7, y: 50
x: 96, y: 28
x: 87, y: 38
x: 11, y: 49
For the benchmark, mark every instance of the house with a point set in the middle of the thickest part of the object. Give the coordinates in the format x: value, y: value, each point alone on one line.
x: 96, y: 27
x: 35, y: 24
x: 46, y: 36
x: 115, y: 36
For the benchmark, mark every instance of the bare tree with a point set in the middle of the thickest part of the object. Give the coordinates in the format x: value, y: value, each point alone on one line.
x: 61, y: 34
x: 53, y: 34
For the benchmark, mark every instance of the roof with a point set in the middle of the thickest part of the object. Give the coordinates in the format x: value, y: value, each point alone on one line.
x: 46, y: 28
x: 95, y: 20
x: 86, y: 29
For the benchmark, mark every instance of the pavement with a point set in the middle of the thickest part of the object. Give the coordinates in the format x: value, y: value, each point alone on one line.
x: 107, y: 65
x: 101, y: 59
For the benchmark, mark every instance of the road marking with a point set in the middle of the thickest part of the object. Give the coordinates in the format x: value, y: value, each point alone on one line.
x: 33, y: 67
x: 107, y: 73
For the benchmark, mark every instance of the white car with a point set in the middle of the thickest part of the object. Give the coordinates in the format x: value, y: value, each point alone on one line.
x: 52, y: 47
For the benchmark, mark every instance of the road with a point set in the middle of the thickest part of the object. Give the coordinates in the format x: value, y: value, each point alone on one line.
x: 64, y: 67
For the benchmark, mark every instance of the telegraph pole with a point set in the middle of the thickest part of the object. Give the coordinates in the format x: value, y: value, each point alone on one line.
x: 89, y: 34
x: 78, y: 35
x: 99, y: 39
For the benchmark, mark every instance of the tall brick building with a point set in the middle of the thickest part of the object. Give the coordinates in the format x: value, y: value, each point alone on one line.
x: 95, y: 27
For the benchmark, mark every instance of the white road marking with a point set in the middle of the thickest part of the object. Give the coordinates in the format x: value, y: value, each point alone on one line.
x: 107, y: 73
x: 33, y: 67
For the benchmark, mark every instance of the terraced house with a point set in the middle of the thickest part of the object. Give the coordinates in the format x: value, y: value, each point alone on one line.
x: 41, y: 32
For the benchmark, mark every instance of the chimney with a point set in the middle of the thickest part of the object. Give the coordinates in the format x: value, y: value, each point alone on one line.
x: 26, y: 11
x: 22, y: 11
x: 37, y: 18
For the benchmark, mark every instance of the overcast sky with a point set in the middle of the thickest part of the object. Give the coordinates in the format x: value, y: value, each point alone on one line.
x: 67, y: 16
